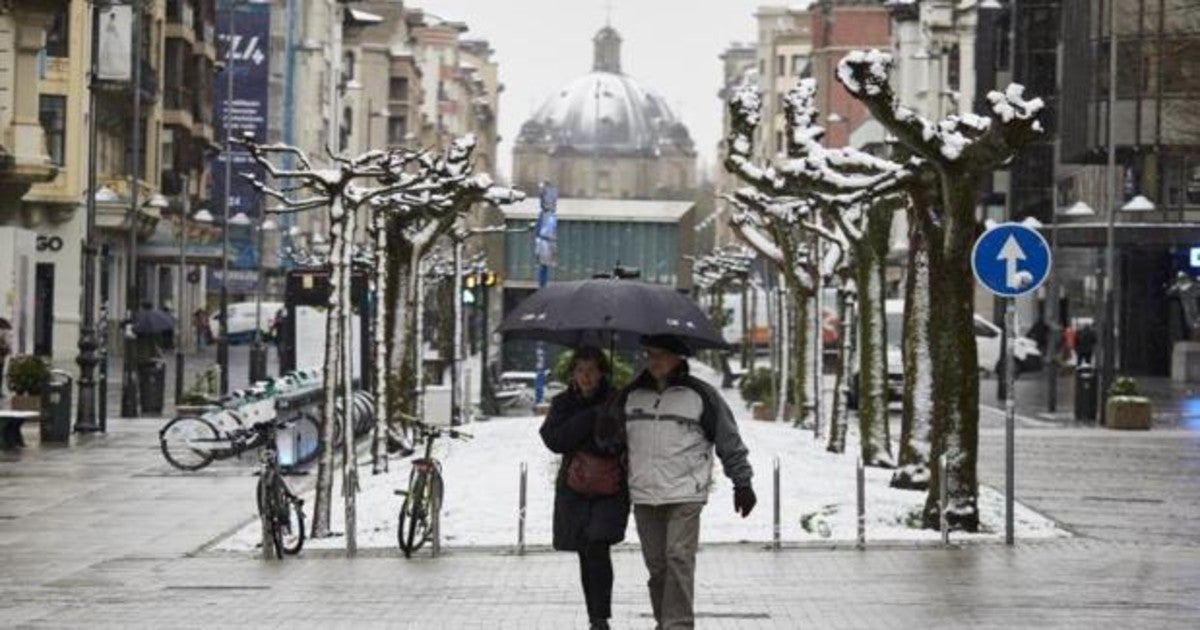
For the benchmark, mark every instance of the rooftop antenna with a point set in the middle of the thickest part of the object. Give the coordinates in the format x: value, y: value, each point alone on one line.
x: 608, y: 13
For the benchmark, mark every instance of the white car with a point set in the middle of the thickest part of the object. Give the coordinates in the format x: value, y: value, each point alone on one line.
x: 241, y: 320
x: 987, y: 344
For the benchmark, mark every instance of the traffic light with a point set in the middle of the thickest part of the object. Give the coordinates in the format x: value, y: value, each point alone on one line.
x: 469, y: 280
x: 489, y: 279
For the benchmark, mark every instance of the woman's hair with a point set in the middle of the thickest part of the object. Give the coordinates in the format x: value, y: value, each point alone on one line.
x: 589, y: 353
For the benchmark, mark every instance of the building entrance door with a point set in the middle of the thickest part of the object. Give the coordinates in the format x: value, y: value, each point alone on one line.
x: 43, y: 310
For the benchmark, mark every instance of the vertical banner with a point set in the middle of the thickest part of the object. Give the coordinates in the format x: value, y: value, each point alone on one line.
x: 243, y: 35
x: 545, y: 252
x: 115, y: 61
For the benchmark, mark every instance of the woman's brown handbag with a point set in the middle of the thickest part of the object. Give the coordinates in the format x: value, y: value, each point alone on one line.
x: 594, y: 475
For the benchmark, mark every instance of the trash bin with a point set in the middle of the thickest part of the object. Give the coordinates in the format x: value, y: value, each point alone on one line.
x: 56, y: 408
x: 152, y: 381
x: 1085, y: 393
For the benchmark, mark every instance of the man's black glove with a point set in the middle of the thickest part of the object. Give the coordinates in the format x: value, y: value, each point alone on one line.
x: 744, y: 500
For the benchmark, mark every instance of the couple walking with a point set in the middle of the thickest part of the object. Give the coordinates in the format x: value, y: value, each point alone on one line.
x: 649, y: 444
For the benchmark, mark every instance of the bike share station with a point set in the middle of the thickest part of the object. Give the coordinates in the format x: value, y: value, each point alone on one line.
x: 199, y: 435
x: 1009, y: 260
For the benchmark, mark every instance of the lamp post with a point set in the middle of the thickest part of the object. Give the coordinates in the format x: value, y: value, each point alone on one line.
x: 129, y: 383
x: 258, y: 352
x: 85, y: 418
x: 1107, y: 346
x: 201, y: 216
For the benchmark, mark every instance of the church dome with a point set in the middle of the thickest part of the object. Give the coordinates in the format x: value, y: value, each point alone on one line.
x: 606, y: 111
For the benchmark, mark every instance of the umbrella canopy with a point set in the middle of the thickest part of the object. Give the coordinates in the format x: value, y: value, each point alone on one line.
x: 151, y: 322
x: 606, y: 312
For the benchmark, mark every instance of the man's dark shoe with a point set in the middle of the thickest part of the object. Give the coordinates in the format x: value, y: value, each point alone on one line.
x: 599, y: 624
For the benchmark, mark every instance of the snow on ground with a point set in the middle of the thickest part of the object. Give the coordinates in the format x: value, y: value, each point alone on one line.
x: 817, y: 493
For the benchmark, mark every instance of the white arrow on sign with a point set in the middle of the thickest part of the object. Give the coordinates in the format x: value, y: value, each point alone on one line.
x: 1010, y: 254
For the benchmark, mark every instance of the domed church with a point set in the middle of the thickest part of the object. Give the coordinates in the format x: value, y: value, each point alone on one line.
x: 604, y: 135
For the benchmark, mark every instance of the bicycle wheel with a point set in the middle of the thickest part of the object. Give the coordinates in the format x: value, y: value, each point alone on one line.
x: 268, y: 513
x: 188, y: 442
x: 289, y: 520
x: 413, y: 527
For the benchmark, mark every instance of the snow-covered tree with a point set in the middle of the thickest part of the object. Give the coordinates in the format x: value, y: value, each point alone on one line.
x: 860, y: 192
x: 341, y: 190
x: 961, y: 149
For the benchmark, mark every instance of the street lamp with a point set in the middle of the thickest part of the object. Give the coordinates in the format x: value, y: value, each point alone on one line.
x: 258, y: 351
x: 201, y: 216
x: 129, y: 384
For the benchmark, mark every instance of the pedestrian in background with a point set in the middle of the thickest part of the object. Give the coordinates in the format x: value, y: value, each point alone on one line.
x: 672, y: 421
x: 1085, y: 344
x: 591, y: 497
x: 5, y: 349
x: 200, y: 322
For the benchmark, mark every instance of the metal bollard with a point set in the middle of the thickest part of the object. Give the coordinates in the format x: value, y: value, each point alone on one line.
x: 521, y: 511
x: 943, y: 496
x: 776, y: 540
x: 862, y: 505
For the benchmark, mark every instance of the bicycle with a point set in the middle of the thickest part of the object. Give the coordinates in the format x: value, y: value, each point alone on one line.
x: 280, y: 511
x: 422, y: 506
x: 191, y: 442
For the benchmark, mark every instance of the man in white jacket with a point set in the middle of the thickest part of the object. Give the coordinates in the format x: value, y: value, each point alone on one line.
x: 672, y: 423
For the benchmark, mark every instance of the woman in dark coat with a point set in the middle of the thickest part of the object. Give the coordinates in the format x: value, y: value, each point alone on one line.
x: 583, y: 524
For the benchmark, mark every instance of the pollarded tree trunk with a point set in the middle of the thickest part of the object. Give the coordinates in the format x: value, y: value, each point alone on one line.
x: 330, y: 373
x: 380, y: 317
x: 346, y: 312
x: 397, y: 297
x: 954, y: 357
x: 838, y: 420
x: 872, y: 361
x: 913, y: 472
x: 801, y: 343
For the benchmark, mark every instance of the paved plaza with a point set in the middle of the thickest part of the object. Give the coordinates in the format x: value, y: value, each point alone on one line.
x: 104, y: 534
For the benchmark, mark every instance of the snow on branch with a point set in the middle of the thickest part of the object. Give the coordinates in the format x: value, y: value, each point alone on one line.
x: 957, y: 138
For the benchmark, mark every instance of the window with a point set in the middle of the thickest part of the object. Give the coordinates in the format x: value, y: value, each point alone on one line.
x: 52, y: 113
x: 347, y: 67
x: 58, y: 35
x: 953, y: 72
x: 398, y: 89
x: 167, y: 143
x: 778, y: 141
x: 799, y: 65
x: 347, y: 128
x: 397, y: 130
x: 780, y: 65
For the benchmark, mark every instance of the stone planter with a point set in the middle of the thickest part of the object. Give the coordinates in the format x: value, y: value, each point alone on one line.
x: 26, y: 402
x: 766, y: 413
x: 1128, y: 413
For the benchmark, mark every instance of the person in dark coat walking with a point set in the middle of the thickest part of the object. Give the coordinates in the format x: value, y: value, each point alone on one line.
x: 587, y: 525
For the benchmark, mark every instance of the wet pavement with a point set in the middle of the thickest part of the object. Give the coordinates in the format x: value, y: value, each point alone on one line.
x: 103, y: 533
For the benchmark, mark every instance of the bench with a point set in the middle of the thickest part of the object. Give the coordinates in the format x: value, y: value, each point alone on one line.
x: 10, y: 427
x: 730, y: 376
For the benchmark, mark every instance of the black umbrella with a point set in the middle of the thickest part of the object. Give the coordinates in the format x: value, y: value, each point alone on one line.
x: 609, y: 312
x: 151, y: 322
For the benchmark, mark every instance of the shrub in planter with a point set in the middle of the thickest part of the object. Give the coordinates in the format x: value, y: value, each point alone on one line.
x: 28, y: 376
x: 1125, y: 409
x: 756, y: 386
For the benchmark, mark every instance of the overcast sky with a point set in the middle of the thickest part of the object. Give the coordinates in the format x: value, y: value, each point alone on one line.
x: 670, y: 46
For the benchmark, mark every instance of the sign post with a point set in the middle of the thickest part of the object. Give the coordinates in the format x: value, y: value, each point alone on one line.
x: 1010, y: 260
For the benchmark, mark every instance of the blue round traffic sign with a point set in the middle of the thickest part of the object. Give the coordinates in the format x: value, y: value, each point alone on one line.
x: 1011, y: 259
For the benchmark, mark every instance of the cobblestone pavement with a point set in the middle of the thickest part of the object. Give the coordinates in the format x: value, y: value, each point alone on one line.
x: 104, y: 534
